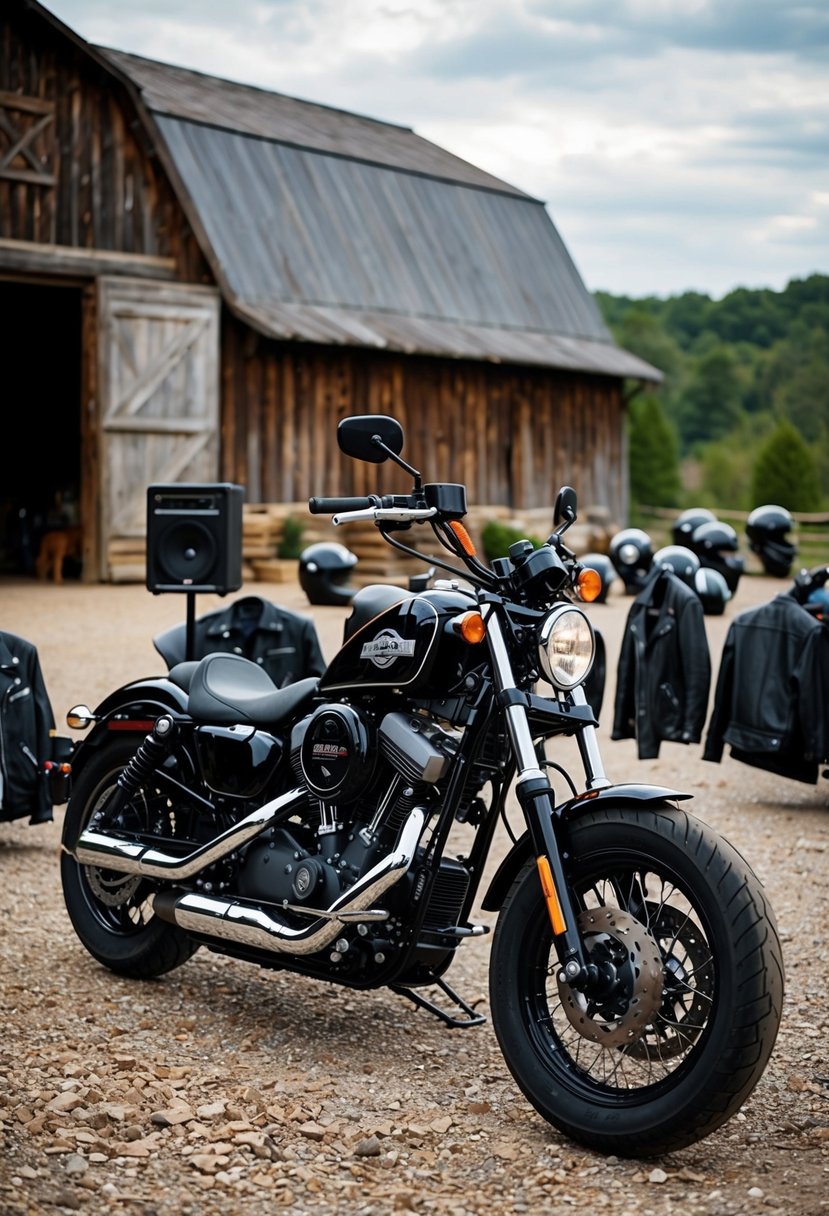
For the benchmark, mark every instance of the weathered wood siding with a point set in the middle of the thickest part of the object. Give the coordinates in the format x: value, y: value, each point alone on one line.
x: 79, y: 176
x: 512, y: 435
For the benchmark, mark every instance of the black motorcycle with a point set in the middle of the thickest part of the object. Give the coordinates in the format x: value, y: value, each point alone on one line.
x: 636, y: 978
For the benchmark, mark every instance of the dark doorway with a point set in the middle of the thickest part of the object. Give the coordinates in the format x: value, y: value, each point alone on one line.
x: 40, y: 389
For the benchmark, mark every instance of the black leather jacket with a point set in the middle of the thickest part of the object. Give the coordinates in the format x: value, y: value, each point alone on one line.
x: 771, y: 702
x: 26, y: 721
x: 284, y: 643
x: 664, y: 672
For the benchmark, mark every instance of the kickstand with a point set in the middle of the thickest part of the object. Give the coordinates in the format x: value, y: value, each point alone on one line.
x: 472, y: 1018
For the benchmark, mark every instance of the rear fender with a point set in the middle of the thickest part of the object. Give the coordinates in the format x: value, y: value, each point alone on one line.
x: 129, y: 712
x: 613, y: 795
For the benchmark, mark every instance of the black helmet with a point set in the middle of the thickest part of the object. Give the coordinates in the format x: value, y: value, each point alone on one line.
x: 679, y: 559
x: 712, y: 590
x: 631, y: 552
x: 603, y: 566
x: 811, y: 589
x: 683, y: 528
x: 714, y: 536
x: 768, y: 522
x: 714, y: 543
x: 323, y: 573
x: 766, y: 529
x: 817, y: 603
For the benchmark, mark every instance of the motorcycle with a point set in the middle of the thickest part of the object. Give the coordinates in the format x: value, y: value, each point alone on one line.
x: 635, y: 976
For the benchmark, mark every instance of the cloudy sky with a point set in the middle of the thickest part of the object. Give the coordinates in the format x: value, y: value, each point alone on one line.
x: 678, y: 144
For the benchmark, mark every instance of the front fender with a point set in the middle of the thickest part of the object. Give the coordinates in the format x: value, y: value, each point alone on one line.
x: 130, y: 710
x: 522, y: 851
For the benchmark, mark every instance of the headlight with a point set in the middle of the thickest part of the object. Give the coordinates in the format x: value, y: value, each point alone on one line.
x: 566, y: 647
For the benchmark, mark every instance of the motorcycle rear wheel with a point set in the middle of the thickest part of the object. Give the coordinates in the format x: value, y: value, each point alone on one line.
x: 110, y: 911
x: 717, y: 1012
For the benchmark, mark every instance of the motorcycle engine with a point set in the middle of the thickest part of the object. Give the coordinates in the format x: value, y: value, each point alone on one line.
x: 365, y: 779
x: 337, y: 754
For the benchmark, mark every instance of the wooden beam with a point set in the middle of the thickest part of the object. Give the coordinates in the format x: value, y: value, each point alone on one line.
x: 32, y: 258
x: 24, y: 104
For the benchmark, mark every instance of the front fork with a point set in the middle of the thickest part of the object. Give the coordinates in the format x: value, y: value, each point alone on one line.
x: 536, y: 797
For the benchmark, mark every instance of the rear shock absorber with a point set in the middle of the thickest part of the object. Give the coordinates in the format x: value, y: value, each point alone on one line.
x: 154, y: 749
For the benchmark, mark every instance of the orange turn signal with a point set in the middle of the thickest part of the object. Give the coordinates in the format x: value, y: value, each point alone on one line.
x: 589, y: 584
x: 471, y: 627
x: 550, y: 896
x: 463, y: 536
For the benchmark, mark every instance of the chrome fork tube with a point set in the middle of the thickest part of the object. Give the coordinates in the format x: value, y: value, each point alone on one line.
x: 597, y: 778
x: 523, y: 747
x: 536, y: 798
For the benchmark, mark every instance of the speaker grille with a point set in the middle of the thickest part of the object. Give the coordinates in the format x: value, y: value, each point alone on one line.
x: 194, y: 537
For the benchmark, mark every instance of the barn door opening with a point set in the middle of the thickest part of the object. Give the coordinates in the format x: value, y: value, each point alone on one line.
x: 40, y: 410
x: 158, y: 405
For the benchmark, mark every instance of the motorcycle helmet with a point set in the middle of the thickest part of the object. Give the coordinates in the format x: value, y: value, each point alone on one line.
x: 603, y: 566
x: 679, y: 559
x: 712, y: 590
x: 817, y: 603
x: 631, y: 552
x: 766, y: 529
x: 323, y: 573
x: 683, y: 528
x: 715, y: 544
x: 811, y: 589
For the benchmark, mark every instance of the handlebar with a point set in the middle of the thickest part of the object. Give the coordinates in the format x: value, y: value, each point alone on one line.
x: 329, y: 506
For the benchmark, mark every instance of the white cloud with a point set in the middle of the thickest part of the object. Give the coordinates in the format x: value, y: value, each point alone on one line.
x: 679, y: 143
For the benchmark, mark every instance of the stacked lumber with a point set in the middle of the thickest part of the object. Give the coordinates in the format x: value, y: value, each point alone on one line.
x: 378, y: 561
x: 127, y: 559
x: 263, y: 527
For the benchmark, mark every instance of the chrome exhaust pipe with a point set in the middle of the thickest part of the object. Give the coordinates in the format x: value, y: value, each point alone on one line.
x: 252, y: 925
x: 126, y: 857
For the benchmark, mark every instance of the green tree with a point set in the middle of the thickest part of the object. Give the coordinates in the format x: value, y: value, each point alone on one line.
x: 711, y: 403
x: 642, y: 334
x: 654, y: 454
x: 726, y: 467
x: 786, y: 472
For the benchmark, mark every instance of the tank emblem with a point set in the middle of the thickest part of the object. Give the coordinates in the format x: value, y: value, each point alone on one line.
x: 387, y: 646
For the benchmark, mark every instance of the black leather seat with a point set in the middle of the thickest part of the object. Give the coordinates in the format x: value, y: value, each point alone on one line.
x: 227, y: 689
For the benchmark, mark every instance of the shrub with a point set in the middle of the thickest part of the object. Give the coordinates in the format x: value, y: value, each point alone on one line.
x: 291, y: 543
x: 496, y: 539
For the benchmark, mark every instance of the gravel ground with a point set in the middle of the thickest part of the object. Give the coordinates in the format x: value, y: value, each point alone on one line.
x: 224, y: 1088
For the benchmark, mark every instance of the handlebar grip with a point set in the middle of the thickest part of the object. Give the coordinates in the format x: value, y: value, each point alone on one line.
x: 330, y: 506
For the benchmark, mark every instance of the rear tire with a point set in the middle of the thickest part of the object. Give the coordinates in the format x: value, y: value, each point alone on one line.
x: 110, y: 912
x: 716, y: 1016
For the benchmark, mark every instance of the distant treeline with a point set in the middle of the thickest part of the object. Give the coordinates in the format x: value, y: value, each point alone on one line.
x: 742, y: 415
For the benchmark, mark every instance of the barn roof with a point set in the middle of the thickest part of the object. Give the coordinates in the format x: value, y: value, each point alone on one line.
x: 332, y: 227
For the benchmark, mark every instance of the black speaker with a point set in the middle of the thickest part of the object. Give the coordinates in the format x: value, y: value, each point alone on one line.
x: 194, y: 537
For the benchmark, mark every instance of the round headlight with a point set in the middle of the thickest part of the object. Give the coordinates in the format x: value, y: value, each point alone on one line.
x: 566, y: 647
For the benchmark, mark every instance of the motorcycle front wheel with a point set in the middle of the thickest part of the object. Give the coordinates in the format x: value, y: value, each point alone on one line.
x: 110, y: 911
x: 672, y: 1043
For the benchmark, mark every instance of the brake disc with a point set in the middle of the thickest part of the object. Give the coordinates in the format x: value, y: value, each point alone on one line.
x: 622, y: 948
x: 688, y: 984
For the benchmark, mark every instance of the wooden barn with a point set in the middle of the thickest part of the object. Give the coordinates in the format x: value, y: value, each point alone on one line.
x: 198, y: 279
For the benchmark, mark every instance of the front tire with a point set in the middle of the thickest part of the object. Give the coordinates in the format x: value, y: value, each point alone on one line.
x: 714, y: 1013
x: 109, y: 911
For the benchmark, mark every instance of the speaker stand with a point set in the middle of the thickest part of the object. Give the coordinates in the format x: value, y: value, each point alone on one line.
x: 190, y: 634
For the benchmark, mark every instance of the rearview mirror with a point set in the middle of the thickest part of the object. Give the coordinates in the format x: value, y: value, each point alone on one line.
x: 372, y: 437
x: 566, y: 506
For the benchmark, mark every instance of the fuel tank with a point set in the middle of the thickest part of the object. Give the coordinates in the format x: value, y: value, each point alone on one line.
x: 407, y: 645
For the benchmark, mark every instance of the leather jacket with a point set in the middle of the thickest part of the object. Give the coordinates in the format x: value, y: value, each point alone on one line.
x: 26, y: 726
x: 664, y: 672
x: 771, y: 702
x: 282, y: 642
